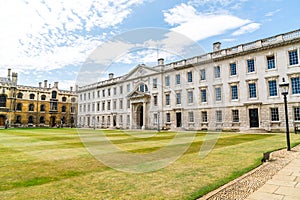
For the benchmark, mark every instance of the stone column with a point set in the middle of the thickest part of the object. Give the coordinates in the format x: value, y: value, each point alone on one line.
x: 131, y: 116
x: 144, y: 116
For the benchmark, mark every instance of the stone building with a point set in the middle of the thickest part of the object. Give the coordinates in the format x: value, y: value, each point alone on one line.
x: 235, y: 88
x: 27, y: 106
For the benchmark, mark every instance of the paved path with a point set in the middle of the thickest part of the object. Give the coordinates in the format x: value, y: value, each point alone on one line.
x: 285, y: 185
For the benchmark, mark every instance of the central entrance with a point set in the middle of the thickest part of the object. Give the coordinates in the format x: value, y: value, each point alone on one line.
x: 140, y: 116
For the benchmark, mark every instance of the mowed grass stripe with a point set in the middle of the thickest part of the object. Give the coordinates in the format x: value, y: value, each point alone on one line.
x: 78, y: 175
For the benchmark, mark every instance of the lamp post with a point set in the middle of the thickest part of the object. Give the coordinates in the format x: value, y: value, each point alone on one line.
x: 284, y: 86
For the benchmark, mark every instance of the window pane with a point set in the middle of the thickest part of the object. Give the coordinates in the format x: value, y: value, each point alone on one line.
x: 232, y: 69
x: 234, y: 92
x: 274, y: 114
x: 293, y: 57
x: 218, y: 94
x: 250, y: 64
x: 295, y: 85
x: 273, y: 88
x: 271, y: 62
x: 203, y: 95
x: 252, y: 90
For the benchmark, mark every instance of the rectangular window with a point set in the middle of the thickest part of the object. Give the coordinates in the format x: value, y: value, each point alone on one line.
x: 103, y: 106
x: 154, y: 83
x: 168, y: 117
x: 202, y: 75
x: 128, y: 103
x: 273, y: 88
x: 204, y: 116
x: 108, y: 92
x: 121, y: 104
x: 93, y: 95
x: 218, y: 94
x: 295, y: 85
x: 93, y: 107
x: 234, y: 92
x: 177, y: 78
x: 250, y: 64
x: 167, y: 80
x: 271, y: 62
x: 293, y: 57
x: 114, y: 105
x: 232, y: 69
x: 128, y: 119
x: 108, y: 105
x: 178, y: 98
x: 235, y: 116
x: 155, y: 100
x: 128, y: 87
x: 89, y: 108
x: 190, y: 97
x: 115, y: 91
x: 252, y: 90
x: 89, y: 96
x: 203, y: 96
x: 103, y: 93
x: 121, y: 119
x: 191, y: 116
x: 167, y: 99
x: 98, y: 93
x: 155, y: 118
x: 98, y: 106
x: 217, y: 72
x: 121, y: 89
x: 219, y: 116
x: 274, y: 114
x: 297, y: 113
x: 190, y: 77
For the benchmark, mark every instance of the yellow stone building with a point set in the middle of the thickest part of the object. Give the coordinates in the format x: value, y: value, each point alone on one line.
x: 27, y: 106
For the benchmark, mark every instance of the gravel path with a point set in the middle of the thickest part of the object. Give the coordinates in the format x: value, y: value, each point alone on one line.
x: 245, y: 185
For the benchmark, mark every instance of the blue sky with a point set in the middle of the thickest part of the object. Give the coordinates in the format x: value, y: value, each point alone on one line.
x: 51, y: 39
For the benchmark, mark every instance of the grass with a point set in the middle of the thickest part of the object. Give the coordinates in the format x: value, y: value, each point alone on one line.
x: 54, y: 164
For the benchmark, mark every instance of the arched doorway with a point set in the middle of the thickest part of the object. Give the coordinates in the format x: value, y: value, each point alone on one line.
x: 52, y: 121
x: 140, y: 116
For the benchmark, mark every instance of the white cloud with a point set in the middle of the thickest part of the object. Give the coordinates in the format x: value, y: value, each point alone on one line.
x: 198, y: 26
x: 270, y: 14
x: 47, y: 35
x: 249, y: 28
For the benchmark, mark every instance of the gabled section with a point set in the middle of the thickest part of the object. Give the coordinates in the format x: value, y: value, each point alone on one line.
x: 137, y: 94
x: 140, y: 71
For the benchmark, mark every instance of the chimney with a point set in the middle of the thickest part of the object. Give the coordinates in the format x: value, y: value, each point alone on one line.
x: 71, y: 89
x: 56, y: 85
x: 14, y: 78
x: 8, y: 73
x: 40, y: 84
x: 111, y: 75
x: 217, y: 46
x: 45, y: 83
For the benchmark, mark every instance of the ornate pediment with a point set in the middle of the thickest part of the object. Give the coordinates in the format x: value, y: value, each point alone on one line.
x: 140, y: 71
x: 138, y: 95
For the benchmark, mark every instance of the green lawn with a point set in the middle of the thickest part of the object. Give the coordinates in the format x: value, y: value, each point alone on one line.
x: 54, y: 164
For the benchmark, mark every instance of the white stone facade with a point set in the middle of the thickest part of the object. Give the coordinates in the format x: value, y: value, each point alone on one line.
x: 228, y: 89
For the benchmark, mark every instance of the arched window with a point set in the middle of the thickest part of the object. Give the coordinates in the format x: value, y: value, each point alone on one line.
x: 43, y: 97
x: 54, y: 94
x: 31, y: 107
x: 18, y: 119
x: 31, y: 96
x: 19, y: 107
x: 64, y: 99
x: 42, y: 108
x: 73, y: 100
x: 20, y: 95
x: 143, y: 88
x: 3, y: 100
x: 42, y: 120
x: 63, y: 109
x: 30, y: 119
